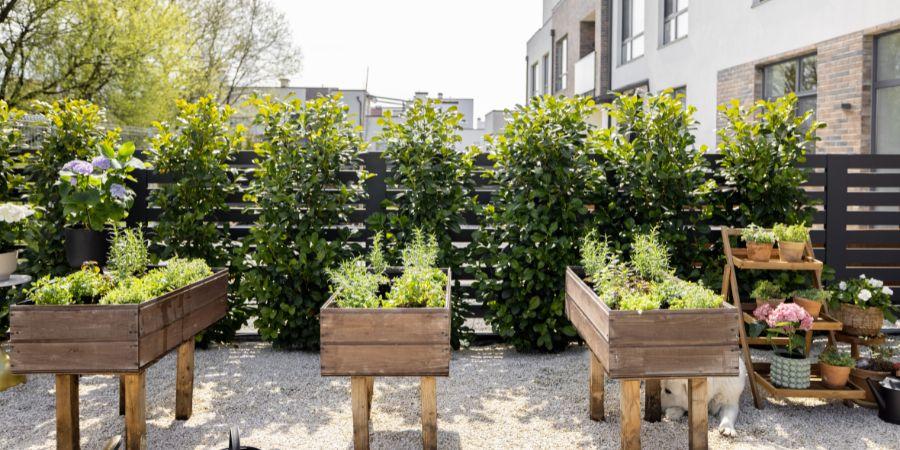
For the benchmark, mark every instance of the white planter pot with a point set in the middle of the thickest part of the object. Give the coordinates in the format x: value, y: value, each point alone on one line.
x: 8, y: 263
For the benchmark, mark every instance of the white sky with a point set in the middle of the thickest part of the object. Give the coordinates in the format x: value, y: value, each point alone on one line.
x: 462, y: 48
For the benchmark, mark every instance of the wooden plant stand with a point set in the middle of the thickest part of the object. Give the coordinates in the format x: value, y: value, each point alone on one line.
x: 652, y: 346
x: 124, y: 340
x: 402, y: 342
x: 757, y: 374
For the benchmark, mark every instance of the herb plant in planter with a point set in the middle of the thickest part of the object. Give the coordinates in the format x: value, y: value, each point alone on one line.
x: 94, y: 194
x: 792, y: 240
x: 767, y: 292
x: 11, y: 217
x: 760, y: 242
x: 790, y: 366
x: 834, y: 366
x: 811, y: 300
x: 862, y: 304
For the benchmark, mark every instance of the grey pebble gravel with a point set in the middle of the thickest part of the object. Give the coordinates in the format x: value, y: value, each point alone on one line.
x: 495, y: 398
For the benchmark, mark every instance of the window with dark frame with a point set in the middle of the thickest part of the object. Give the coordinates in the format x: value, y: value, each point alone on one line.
x: 798, y: 75
x: 675, y: 20
x: 632, y: 30
x: 545, y: 73
x: 560, y: 71
x: 886, y: 98
x: 534, y: 79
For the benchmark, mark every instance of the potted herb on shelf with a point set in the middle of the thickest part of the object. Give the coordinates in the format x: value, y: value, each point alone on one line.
x: 876, y: 367
x: 760, y: 242
x: 767, y: 292
x: 811, y: 300
x: 834, y: 367
x: 94, y: 194
x: 862, y: 304
x: 792, y: 241
x: 790, y: 367
x: 11, y: 216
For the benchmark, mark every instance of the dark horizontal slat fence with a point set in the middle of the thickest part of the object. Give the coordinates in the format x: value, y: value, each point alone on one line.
x: 856, y: 228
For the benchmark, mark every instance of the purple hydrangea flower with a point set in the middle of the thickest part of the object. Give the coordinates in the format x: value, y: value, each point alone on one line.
x: 73, y: 181
x: 118, y: 191
x: 78, y: 166
x: 101, y: 163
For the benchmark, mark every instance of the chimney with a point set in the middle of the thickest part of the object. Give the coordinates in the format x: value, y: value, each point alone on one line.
x: 285, y: 82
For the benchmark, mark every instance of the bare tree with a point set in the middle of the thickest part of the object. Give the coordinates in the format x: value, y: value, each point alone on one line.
x: 241, y: 43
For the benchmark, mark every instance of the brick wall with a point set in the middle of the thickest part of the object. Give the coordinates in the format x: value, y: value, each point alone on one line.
x: 743, y: 82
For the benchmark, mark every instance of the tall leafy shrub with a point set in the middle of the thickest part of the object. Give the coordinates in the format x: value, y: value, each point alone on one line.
x: 661, y: 177
x: 762, y: 148
x: 196, y: 150
x: 10, y: 138
x: 301, y: 197
x: 546, y: 179
x: 437, y: 188
x: 74, y: 130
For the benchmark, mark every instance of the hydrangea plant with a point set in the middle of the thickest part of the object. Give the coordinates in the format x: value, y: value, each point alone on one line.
x: 864, y: 293
x: 11, y: 216
x: 785, y: 320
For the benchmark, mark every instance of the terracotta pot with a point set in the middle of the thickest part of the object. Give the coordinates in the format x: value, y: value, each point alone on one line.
x: 860, y: 321
x: 791, y: 251
x: 811, y: 306
x: 8, y: 263
x: 834, y: 377
x: 858, y: 377
x: 772, y: 301
x: 759, y: 251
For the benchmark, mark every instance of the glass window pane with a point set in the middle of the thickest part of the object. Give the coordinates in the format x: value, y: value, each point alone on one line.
x: 888, y: 57
x: 682, y: 4
x: 669, y: 31
x: 887, y: 104
x: 638, y: 46
x: 805, y: 104
x: 780, y: 79
x: 682, y: 26
x: 669, y: 7
x: 637, y: 18
x: 808, y: 75
x: 626, y: 19
x: 626, y: 52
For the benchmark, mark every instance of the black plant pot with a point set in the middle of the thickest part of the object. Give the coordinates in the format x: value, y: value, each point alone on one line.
x: 83, y: 245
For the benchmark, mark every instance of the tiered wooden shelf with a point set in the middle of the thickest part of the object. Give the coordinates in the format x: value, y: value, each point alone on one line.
x: 758, y: 373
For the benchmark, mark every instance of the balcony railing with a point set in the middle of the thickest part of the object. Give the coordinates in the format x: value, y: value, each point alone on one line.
x: 584, y: 74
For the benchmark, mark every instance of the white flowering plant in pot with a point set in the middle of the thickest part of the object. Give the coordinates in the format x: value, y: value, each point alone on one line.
x: 863, y: 304
x: 11, y: 218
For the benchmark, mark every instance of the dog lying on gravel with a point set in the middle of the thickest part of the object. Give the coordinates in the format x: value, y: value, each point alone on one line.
x: 723, y: 398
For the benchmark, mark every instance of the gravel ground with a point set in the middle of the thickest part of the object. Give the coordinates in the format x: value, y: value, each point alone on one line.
x: 495, y: 398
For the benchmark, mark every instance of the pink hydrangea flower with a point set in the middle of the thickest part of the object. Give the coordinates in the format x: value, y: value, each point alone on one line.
x: 762, y: 312
x: 786, y: 313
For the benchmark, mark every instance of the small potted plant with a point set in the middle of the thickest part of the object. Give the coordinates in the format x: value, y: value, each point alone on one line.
x: 876, y: 367
x: 790, y: 367
x: 811, y: 300
x: 11, y: 216
x: 792, y: 241
x: 862, y: 304
x: 767, y: 292
x: 834, y: 366
x: 94, y: 195
x: 760, y: 242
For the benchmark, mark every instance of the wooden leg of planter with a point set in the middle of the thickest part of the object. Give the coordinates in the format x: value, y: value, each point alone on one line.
x: 652, y: 400
x: 809, y: 336
x: 597, y: 388
x: 121, y: 395
x: 67, y: 431
x: 429, y: 413
x: 135, y: 411
x: 184, y: 385
x: 697, y: 414
x: 370, y: 391
x: 631, y: 414
x: 360, y: 404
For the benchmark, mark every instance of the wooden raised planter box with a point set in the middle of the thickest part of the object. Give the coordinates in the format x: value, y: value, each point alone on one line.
x: 363, y: 343
x: 73, y: 340
x: 652, y: 345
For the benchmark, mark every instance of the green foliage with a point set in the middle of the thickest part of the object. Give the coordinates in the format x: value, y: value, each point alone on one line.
x: 300, y: 196
x: 834, y: 357
x: 661, y: 178
x: 51, y: 291
x: 10, y: 137
x: 639, y: 301
x: 649, y: 257
x: 74, y: 132
x: 438, y: 188
x: 762, y: 148
x: 83, y: 286
x: 195, y: 150
x: 355, y: 285
x: 418, y: 286
x: 864, y: 293
x: 546, y: 177
x: 791, y: 233
x: 694, y: 296
x: 817, y: 295
x: 128, y: 254
x: 176, y: 274
x: 755, y: 233
x: 765, y: 290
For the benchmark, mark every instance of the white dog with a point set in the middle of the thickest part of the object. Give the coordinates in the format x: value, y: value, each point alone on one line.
x: 723, y: 398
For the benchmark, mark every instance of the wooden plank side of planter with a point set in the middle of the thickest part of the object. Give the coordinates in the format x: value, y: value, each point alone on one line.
x: 383, y: 326
x: 674, y: 362
x: 674, y: 327
x: 74, y: 357
x: 587, y: 300
x: 204, y: 316
x: 595, y: 340
x: 385, y: 360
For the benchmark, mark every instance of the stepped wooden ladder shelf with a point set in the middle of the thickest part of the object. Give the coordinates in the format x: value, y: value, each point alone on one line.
x: 758, y: 373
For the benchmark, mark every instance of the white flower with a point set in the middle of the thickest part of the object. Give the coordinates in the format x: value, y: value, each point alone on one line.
x: 865, y: 295
x: 863, y: 276
x: 843, y: 285
x: 875, y: 283
x: 12, y: 213
x: 887, y: 291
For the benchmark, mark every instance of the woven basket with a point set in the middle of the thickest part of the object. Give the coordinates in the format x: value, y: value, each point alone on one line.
x: 860, y: 321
